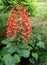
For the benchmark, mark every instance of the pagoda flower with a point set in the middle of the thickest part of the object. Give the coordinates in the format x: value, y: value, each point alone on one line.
x: 18, y: 22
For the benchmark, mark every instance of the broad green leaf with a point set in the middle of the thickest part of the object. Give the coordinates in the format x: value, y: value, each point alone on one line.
x: 30, y: 42
x: 39, y: 37
x: 29, y: 47
x: 24, y: 53
x: 35, y: 55
x: 22, y: 45
x: 41, y: 44
x: 31, y: 60
x: 16, y: 58
x: 8, y: 59
x: 5, y: 42
x: 11, y: 48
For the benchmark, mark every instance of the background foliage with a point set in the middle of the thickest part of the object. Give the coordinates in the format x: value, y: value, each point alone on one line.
x: 30, y: 5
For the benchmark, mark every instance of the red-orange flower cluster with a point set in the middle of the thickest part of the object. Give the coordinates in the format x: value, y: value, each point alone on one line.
x: 18, y: 21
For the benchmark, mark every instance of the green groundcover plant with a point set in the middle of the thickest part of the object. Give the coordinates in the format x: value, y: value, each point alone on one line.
x: 34, y: 50
x: 38, y: 53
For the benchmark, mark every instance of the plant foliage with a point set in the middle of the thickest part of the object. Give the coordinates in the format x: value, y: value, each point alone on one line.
x: 30, y: 5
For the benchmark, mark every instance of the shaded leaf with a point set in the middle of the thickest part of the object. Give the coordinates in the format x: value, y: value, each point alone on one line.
x: 39, y: 37
x: 22, y: 45
x: 35, y: 55
x: 12, y: 49
x: 41, y: 44
x: 31, y: 60
x: 24, y: 53
x: 5, y: 42
x: 8, y: 59
x: 16, y: 58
